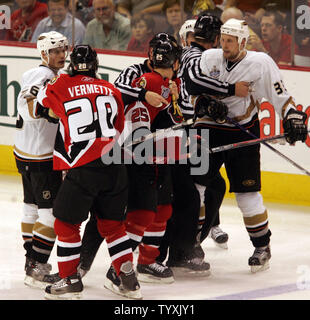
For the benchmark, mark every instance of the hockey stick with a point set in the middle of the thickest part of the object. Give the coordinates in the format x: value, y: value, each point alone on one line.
x: 161, y: 132
x: 246, y: 143
x: 268, y: 146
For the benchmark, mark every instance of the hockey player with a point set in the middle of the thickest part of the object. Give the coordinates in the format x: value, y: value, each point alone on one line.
x: 33, y: 150
x: 150, y: 190
x: 91, y: 239
x: 187, y: 255
x: 91, y: 113
x: 187, y: 36
x: 187, y: 32
x: 231, y: 63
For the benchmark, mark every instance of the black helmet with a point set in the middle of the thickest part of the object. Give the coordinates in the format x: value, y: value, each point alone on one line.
x: 207, y: 27
x: 165, y: 54
x: 161, y: 36
x: 83, y: 60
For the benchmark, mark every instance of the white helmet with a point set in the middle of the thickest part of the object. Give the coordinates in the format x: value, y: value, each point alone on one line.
x: 236, y: 28
x: 50, y: 40
x: 188, y: 26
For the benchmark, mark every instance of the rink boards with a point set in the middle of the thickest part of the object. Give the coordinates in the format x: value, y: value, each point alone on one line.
x: 281, y: 182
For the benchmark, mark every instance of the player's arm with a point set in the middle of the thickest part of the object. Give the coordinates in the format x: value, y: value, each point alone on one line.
x: 202, y: 82
x: 45, y: 102
x: 27, y: 98
x: 272, y: 87
x: 132, y: 93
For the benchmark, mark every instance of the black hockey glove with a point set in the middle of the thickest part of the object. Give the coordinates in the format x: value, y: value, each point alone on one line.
x: 215, y: 109
x: 294, y: 125
x: 46, y: 114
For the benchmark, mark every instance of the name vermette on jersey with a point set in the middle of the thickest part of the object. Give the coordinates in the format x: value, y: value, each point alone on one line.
x: 190, y: 148
x: 85, y: 89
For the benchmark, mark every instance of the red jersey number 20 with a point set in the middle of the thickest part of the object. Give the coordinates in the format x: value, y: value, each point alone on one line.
x: 82, y: 116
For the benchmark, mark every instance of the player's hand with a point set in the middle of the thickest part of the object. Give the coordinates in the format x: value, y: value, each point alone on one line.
x: 174, y: 89
x: 242, y: 89
x: 215, y: 109
x: 155, y: 99
x: 294, y: 125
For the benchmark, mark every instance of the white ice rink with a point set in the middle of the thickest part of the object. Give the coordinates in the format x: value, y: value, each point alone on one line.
x: 287, y: 279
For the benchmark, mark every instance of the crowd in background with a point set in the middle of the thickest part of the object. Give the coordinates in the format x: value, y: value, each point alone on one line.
x: 130, y: 24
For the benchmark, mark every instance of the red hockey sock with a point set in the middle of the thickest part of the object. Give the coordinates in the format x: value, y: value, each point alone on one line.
x: 148, y: 250
x: 68, y: 247
x: 118, y: 242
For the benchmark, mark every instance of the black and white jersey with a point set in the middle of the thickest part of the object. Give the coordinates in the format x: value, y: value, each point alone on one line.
x: 194, y: 82
x: 126, y: 77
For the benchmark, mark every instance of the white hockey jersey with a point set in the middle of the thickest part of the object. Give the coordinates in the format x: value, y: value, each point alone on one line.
x: 260, y: 71
x: 35, y: 136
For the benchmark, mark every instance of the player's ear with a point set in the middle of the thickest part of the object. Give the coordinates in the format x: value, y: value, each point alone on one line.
x: 44, y: 57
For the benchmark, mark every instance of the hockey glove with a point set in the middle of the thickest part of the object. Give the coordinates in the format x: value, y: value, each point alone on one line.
x: 294, y: 125
x: 215, y: 109
x: 47, y: 114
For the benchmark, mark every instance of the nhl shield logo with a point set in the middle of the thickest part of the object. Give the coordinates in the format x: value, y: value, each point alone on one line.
x: 46, y: 194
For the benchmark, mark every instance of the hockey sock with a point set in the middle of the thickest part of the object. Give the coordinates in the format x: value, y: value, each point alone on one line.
x: 30, y: 215
x: 255, y: 217
x: 68, y: 247
x: 136, y: 223
x: 148, y: 250
x: 117, y: 240
x: 43, y: 235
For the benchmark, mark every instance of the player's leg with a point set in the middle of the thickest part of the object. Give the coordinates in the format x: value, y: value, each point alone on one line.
x: 149, y: 269
x: 243, y: 170
x: 110, y: 209
x: 71, y: 208
x: 91, y: 242
x: 214, y: 196
x: 183, y: 228
x: 45, y: 186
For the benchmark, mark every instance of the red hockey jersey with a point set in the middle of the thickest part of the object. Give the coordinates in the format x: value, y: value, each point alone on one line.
x: 141, y: 114
x: 91, y: 114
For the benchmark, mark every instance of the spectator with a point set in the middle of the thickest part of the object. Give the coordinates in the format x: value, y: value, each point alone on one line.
x: 132, y: 7
x: 234, y: 12
x: 274, y: 41
x: 172, y: 11
x: 109, y: 29
x: 245, y: 5
x: 142, y: 27
x: 25, y: 19
x: 83, y: 10
x: 60, y: 20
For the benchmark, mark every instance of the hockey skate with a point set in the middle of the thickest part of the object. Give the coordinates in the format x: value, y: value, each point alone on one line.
x: 219, y: 237
x: 259, y: 261
x: 38, y: 274
x: 194, y: 266
x: 155, y: 273
x: 69, y: 288
x: 126, y: 284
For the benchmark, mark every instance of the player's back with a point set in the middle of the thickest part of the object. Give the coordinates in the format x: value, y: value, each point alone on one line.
x: 89, y: 109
